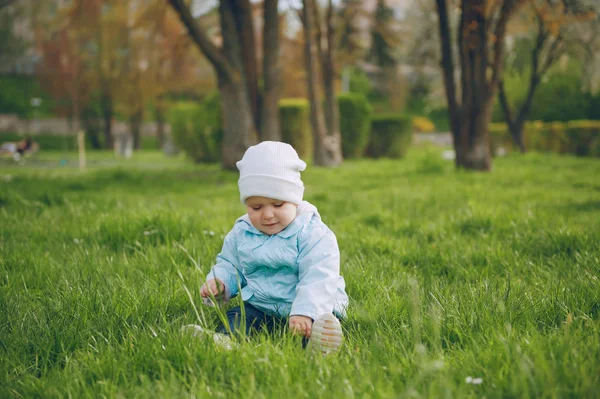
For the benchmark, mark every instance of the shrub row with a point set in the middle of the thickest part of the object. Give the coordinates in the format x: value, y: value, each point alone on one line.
x: 294, y: 116
x: 391, y: 136
x: 581, y: 138
x: 196, y: 128
x: 57, y: 142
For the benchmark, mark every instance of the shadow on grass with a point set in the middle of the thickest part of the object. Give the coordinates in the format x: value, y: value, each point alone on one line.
x: 586, y: 206
x: 49, y: 191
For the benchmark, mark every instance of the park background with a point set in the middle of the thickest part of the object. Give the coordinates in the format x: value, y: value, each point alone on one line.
x: 459, y: 175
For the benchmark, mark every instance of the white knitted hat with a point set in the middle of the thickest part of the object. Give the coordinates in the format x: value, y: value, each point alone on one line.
x: 271, y: 169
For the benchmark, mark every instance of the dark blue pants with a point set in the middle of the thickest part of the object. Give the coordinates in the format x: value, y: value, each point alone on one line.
x: 256, y: 320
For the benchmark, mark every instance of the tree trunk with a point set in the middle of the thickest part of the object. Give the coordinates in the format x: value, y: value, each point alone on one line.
x: 160, y: 127
x: 239, y: 130
x: 325, y: 147
x: 270, y: 128
x: 107, y: 116
x: 447, y: 64
x: 91, y: 130
x: 94, y: 141
x: 516, y: 132
x: 480, y: 72
x: 473, y: 144
x: 515, y: 124
x: 332, y: 114
x: 238, y: 125
x: 473, y: 151
x: 92, y: 126
x: 242, y: 13
x: 135, y: 124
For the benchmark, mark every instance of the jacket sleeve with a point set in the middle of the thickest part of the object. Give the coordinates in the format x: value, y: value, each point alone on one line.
x: 227, y: 268
x: 319, y: 269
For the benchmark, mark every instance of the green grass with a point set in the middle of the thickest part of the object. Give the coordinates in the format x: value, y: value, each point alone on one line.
x: 450, y: 274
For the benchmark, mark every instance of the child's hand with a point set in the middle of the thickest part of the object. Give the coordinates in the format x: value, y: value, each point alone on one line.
x: 301, y: 325
x: 214, y: 287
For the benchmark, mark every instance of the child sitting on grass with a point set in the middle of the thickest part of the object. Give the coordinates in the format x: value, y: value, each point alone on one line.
x: 283, y: 257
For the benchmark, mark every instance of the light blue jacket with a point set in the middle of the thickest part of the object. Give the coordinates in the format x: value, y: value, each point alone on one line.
x: 294, y: 272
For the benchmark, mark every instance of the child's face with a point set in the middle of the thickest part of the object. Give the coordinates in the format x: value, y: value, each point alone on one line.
x: 270, y: 215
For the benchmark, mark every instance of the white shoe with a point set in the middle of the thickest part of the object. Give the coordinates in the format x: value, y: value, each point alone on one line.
x: 221, y: 340
x: 326, y: 336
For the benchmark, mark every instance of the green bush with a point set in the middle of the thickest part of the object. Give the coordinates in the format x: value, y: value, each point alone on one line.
x: 355, y: 124
x: 594, y: 107
x: 391, y: 136
x: 581, y: 137
x: 16, y: 93
x: 439, y: 117
x: 148, y: 142
x: 559, y: 96
x: 294, y: 114
x: 196, y: 128
x: 359, y: 82
x: 547, y: 137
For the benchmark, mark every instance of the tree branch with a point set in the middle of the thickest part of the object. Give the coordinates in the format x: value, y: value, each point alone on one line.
x: 330, y: 29
x: 540, y: 40
x: 198, y: 35
x: 318, y: 31
x: 536, y: 73
x: 447, y: 64
x: 506, y: 11
x: 242, y: 12
x: 554, y: 53
x: 270, y: 125
x: 508, y: 115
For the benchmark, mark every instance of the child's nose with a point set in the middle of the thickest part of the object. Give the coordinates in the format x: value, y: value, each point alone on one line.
x: 268, y: 213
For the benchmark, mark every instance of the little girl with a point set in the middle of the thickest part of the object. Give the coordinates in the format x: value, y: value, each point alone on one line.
x: 280, y: 256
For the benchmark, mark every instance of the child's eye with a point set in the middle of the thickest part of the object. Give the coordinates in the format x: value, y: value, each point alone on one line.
x: 256, y: 208
x: 278, y: 205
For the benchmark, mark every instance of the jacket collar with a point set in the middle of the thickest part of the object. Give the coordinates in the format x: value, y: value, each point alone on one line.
x: 305, y: 212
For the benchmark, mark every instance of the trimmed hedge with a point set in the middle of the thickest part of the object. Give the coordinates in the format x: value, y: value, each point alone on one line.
x: 57, y: 142
x: 355, y: 124
x: 583, y: 138
x: 294, y: 115
x: 439, y: 117
x: 580, y: 138
x: 196, y: 128
x: 391, y: 136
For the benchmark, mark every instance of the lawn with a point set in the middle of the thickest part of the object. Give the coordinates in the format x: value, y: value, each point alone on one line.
x: 451, y: 275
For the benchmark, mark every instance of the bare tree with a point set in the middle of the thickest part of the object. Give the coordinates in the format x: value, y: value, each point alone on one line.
x: 327, y: 146
x: 326, y: 51
x: 554, y: 37
x: 236, y: 70
x: 270, y: 128
x: 481, y: 35
x: 351, y: 45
